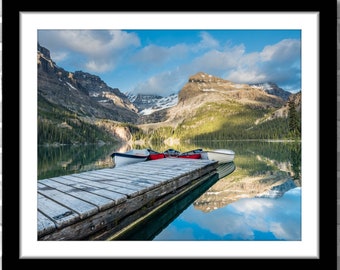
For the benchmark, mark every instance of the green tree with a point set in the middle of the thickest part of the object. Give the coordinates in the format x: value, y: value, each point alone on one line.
x: 294, y: 121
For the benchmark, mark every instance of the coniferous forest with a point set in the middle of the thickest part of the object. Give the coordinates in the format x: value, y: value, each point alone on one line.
x: 234, y: 122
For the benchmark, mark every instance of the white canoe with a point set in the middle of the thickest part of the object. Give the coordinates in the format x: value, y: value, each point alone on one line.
x: 129, y: 157
x: 220, y: 155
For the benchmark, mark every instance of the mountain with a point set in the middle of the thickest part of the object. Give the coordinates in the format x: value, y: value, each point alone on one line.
x: 203, y: 88
x: 81, y: 93
x: 272, y: 89
x: 211, y: 108
x: 148, y: 104
x: 283, y: 112
x: 78, y: 107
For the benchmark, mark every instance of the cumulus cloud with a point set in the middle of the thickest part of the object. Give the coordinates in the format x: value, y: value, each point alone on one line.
x: 164, y: 69
x: 285, y: 51
x: 207, y: 42
x: 279, y: 63
x: 162, y: 84
x: 99, y: 50
x: 242, y: 218
x: 219, y: 61
x: 276, y: 63
x: 156, y: 56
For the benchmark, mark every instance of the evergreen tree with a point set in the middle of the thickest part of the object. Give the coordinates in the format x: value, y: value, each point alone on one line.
x: 294, y: 123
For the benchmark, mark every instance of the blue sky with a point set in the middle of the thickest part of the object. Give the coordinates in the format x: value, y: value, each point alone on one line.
x: 161, y: 61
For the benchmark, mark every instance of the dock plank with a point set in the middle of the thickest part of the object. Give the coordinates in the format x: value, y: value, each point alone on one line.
x: 57, y: 213
x: 138, y: 179
x: 97, y: 200
x: 90, y: 205
x: 102, y: 191
x: 156, y: 175
x: 45, y: 225
x: 115, y: 186
x: 84, y: 209
x: 146, y: 175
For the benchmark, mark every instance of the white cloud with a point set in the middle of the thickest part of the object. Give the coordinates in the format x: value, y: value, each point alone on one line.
x: 275, y: 63
x: 167, y: 69
x: 285, y: 51
x: 97, y: 50
x: 97, y: 42
x: 98, y: 66
x: 161, y: 84
x: 157, y: 56
x: 207, y: 42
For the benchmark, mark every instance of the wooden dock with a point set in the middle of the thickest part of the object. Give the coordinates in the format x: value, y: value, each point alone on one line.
x: 94, y: 205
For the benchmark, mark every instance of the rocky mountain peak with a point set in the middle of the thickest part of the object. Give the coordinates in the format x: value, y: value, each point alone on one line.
x: 88, y: 95
x: 284, y: 110
x: 203, y: 85
x: 81, y: 92
x: 202, y: 77
x: 43, y: 51
x: 273, y: 89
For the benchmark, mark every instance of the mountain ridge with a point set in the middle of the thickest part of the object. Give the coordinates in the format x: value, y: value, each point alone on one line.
x: 88, y: 97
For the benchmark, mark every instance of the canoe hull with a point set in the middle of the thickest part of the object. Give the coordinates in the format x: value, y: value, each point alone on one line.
x: 130, y: 157
x: 154, y: 156
x: 221, y: 155
x: 192, y: 156
x: 135, y: 155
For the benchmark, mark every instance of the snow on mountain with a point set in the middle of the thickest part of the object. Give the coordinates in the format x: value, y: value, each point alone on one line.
x: 273, y: 89
x: 147, y: 104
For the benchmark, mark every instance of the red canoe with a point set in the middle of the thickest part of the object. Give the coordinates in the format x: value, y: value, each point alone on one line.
x: 193, y: 154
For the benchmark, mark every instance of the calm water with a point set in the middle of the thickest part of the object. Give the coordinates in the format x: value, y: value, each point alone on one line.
x: 259, y: 199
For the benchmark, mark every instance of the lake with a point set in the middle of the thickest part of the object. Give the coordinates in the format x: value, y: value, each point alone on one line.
x: 259, y: 199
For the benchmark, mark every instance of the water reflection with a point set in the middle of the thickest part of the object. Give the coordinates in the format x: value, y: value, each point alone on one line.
x: 157, y: 222
x: 253, y: 158
x: 259, y: 219
x: 233, y: 188
x: 259, y: 200
x: 68, y: 159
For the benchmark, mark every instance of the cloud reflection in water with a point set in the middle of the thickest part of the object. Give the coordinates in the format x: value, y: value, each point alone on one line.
x: 259, y: 219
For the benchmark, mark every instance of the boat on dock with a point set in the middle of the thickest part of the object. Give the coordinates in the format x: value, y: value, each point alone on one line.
x: 139, y: 155
x: 130, y: 157
x: 192, y: 154
x: 219, y: 155
x: 153, y: 155
x: 171, y: 153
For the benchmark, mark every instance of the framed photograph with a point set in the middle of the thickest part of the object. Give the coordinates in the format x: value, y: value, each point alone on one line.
x: 119, y: 35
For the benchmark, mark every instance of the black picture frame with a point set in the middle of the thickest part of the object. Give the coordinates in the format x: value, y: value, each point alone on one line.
x: 11, y: 183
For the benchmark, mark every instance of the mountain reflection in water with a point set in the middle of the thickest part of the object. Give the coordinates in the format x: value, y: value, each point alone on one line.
x: 259, y: 200
x: 222, y: 209
x: 257, y: 219
x: 164, y: 217
x: 227, y: 191
x: 260, y: 207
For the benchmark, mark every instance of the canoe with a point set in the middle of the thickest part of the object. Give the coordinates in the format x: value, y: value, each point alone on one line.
x: 139, y: 155
x: 194, y: 154
x: 219, y: 155
x: 171, y: 152
x: 130, y: 157
x: 153, y: 155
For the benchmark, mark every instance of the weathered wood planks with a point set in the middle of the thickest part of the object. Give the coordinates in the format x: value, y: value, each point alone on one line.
x: 91, y: 205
